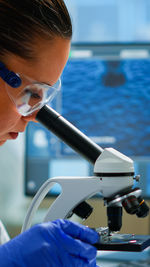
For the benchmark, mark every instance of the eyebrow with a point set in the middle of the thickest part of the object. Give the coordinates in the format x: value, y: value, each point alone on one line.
x: 22, y: 75
x: 45, y: 83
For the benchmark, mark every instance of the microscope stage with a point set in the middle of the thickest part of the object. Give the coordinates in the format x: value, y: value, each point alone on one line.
x: 125, y: 242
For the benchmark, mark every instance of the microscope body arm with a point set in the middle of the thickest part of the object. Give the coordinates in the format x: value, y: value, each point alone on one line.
x: 74, y: 190
x: 77, y: 189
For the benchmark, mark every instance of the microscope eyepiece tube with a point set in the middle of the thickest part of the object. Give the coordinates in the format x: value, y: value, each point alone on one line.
x: 68, y: 133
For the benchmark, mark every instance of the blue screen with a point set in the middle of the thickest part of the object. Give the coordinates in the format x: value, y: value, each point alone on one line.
x: 108, y: 100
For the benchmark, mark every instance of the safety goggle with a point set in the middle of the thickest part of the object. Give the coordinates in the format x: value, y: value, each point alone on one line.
x: 28, y: 95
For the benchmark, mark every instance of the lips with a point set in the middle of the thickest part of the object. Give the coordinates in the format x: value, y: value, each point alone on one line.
x: 13, y: 135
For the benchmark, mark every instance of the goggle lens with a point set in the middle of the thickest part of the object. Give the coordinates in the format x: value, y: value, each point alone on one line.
x: 34, y: 96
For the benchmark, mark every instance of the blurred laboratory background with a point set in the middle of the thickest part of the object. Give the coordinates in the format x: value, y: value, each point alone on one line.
x: 106, y: 94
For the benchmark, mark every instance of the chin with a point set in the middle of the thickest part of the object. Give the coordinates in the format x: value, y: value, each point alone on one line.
x: 2, y: 142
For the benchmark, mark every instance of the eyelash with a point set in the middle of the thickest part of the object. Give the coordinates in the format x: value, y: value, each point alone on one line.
x: 33, y: 94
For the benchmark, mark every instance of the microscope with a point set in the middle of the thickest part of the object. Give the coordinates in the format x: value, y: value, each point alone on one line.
x: 113, y: 177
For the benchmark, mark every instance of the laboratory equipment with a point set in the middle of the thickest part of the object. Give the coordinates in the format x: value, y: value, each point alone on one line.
x: 103, y: 95
x: 113, y: 178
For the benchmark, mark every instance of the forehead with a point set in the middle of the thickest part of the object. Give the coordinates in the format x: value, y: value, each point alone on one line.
x: 50, y: 61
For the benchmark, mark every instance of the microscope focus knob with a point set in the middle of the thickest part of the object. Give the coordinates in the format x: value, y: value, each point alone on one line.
x: 83, y: 210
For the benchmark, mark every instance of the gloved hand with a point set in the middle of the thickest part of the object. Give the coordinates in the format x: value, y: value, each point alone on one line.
x: 60, y: 243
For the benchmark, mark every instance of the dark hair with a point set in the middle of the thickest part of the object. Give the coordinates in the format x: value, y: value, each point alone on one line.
x: 21, y: 21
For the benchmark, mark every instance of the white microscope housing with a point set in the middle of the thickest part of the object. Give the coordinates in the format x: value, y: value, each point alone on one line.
x: 113, y: 177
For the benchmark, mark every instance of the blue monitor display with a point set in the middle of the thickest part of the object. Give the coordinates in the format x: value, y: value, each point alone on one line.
x: 108, y: 100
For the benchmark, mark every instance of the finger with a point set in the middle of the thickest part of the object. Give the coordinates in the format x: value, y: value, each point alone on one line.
x: 75, y: 247
x: 66, y: 245
x: 78, y: 231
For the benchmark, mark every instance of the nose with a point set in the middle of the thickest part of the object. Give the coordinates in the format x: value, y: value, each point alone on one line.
x: 31, y: 117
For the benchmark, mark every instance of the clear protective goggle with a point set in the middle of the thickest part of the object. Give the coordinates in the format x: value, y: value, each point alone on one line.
x: 32, y: 95
x: 28, y: 95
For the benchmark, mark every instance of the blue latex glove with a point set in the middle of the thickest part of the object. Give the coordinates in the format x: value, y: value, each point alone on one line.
x: 60, y: 243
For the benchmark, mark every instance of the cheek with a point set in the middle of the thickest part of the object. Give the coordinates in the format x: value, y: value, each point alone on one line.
x: 8, y: 121
x: 8, y: 113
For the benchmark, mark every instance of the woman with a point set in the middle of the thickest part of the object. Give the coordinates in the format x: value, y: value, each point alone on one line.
x: 34, y: 46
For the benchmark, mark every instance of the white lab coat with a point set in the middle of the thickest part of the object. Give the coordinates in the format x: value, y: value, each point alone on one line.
x: 4, y: 237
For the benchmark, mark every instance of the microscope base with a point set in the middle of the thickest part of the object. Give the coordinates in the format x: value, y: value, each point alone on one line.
x: 125, y: 242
